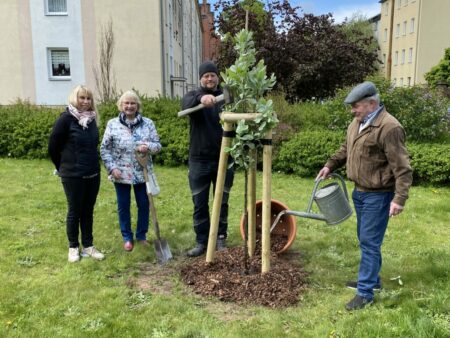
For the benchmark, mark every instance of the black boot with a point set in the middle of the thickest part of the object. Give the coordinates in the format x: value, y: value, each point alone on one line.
x: 198, y: 250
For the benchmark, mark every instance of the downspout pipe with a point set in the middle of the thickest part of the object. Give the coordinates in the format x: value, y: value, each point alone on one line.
x: 163, y: 51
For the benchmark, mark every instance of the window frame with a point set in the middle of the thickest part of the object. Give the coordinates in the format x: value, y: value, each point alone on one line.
x: 48, y: 13
x: 52, y: 77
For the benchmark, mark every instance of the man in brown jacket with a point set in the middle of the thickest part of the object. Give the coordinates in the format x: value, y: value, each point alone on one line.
x: 377, y: 162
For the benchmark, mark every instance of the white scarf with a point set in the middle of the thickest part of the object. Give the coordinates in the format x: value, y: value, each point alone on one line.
x: 85, y: 117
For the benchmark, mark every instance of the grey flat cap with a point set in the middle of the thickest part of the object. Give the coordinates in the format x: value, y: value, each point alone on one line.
x: 361, y: 91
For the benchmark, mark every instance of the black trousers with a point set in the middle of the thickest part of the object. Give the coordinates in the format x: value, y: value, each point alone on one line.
x: 201, y: 176
x: 81, y: 194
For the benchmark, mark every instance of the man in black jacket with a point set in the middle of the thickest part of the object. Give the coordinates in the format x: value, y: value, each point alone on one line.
x: 204, y: 152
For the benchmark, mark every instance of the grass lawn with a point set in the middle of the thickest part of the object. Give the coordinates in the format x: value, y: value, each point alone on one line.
x: 129, y: 295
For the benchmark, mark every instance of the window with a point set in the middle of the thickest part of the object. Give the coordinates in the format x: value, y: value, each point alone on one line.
x: 385, y: 35
x: 386, y: 8
x: 397, y: 30
x: 56, y: 7
x: 396, y: 59
x: 394, y: 81
x: 404, y: 27
x: 409, y: 81
x: 403, y: 56
x: 411, y: 28
x: 410, y: 55
x: 384, y: 60
x: 59, y: 63
x: 399, y: 3
x: 401, y: 81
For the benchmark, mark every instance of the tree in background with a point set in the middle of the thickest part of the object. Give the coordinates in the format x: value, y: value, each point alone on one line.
x: 441, y: 72
x: 105, y: 80
x: 358, y: 29
x: 310, y: 55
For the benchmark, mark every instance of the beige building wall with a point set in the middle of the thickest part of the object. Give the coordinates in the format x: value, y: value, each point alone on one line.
x: 137, y: 53
x: 413, y: 35
x: 16, y: 58
x: 158, y: 47
x: 433, y: 35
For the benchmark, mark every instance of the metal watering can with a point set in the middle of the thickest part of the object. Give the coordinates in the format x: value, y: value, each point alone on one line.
x: 332, y: 201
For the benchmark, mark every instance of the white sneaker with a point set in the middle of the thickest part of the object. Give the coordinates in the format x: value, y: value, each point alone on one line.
x: 92, y: 252
x: 74, y: 255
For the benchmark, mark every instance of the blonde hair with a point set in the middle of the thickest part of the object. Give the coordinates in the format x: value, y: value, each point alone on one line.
x: 129, y: 94
x: 73, y: 97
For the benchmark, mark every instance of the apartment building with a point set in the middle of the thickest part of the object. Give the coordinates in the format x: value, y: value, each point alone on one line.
x: 49, y: 46
x: 412, y: 35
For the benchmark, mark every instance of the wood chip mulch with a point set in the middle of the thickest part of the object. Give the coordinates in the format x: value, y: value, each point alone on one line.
x: 226, y: 279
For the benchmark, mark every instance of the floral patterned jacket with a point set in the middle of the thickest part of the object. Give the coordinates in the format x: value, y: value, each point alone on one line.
x: 118, y: 148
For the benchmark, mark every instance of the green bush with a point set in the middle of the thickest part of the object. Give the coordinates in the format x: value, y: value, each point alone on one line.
x: 306, y: 115
x: 306, y: 153
x: 421, y: 111
x: 430, y: 162
x: 26, y: 128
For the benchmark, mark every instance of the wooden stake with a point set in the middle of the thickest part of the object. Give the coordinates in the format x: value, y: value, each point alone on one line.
x: 234, y: 117
x: 251, y: 204
x: 217, y: 203
x: 266, y: 205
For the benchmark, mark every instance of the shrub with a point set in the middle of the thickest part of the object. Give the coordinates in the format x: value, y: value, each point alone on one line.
x: 421, y: 111
x: 306, y: 153
x: 25, y: 129
x: 431, y: 162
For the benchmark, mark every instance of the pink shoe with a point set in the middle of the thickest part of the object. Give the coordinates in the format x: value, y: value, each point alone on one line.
x: 128, y: 246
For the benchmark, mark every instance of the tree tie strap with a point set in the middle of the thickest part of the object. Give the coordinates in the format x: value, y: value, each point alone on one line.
x: 230, y: 134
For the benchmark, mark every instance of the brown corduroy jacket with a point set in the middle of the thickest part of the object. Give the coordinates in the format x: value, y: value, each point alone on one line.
x: 376, y: 159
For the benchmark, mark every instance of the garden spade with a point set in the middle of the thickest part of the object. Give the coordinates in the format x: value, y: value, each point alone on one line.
x: 226, y: 98
x: 162, y: 249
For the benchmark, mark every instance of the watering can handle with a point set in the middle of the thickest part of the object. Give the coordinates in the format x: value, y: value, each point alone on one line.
x: 317, y: 184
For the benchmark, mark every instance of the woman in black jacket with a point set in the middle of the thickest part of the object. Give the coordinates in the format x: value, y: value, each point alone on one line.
x: 73, y: 150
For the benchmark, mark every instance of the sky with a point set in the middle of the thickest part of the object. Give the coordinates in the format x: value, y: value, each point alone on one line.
x: 339, y: 8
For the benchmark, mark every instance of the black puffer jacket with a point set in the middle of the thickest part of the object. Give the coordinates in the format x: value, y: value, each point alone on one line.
x: 205, y: 128
x: 73, y: 150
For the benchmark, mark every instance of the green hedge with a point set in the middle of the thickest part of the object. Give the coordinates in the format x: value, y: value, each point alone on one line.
x: 421, y: 111
x: 306, y: 153
x: 26, y: 128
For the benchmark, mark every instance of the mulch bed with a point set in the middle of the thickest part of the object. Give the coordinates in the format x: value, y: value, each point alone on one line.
x: 226, y: 279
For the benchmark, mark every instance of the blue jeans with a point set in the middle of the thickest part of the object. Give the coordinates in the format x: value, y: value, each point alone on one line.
x: 372, y: 214
x: 123, y: 192
x: 201, y: 176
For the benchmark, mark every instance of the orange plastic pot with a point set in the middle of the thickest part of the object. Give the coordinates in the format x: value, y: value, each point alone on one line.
x: 287, y: 225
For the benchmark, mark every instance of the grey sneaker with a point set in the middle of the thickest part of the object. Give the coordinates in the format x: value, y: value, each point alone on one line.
x: 221, y: 243
x: 353, y: 285
x: 358, y: 303
x: 198, y: 250
x: 92, y: 252
x: 74, y: 255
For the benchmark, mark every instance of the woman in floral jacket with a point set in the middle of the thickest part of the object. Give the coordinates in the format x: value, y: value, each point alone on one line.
x: 124, y: 135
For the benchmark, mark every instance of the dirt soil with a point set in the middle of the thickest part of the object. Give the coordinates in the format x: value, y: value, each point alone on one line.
x: 226, y: 279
